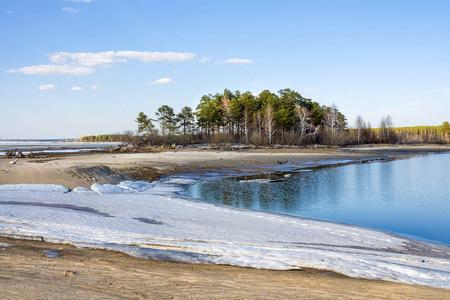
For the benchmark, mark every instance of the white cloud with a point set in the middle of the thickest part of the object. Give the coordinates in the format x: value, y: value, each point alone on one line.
x: 71, y: 10
x: 45, y: 87
x: 86, y: 59
x: 111, y: 57
x: 238, y: 61
x: 311, y: 89
x: 149, y: 57
x: 76, y: 88
x: 82, y: 63
x: 96, y: 88
x: 161, y: 81
x: 204, y: 59
x: 124, y: 104
x: 54, y: 70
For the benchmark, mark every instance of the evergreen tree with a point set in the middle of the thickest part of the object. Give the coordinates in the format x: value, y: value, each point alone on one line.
x: 186, y: 120
x: 145, y: 124
x: 166, y: 118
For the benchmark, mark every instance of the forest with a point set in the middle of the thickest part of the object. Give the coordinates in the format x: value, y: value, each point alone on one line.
x: 284, y: 118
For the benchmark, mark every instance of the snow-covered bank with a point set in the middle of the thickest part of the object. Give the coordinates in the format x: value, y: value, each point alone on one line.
x: 150, y: 221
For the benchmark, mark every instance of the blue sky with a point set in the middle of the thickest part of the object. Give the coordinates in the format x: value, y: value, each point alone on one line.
x: 71, y: 67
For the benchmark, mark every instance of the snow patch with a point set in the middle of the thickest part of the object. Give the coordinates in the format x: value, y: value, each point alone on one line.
x: 109, y: 189
x: 34, y: 188
x: 5, y: 245
x: 180, y: 180
x: 136, y: 186
x: 81, y: 189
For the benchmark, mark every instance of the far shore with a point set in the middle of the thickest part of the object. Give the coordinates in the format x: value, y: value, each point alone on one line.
x: 88, y: 273
x: 82, y: 170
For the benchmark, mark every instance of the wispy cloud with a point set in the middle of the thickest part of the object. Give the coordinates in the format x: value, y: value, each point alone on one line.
x: 161, y: 81
x: 45, y: 87
x: 76, y: 88
x: 150, y: 57
x: 86, y: 59
x: 54, y: 70
x: 124, y: 105
x: 110, y: 57
x: 71, y: 10
x: 83, y: 63
x: 446, y: 92
x: 311, y: 89
x: 96, y: 88
x: 204, y: 59
x: 238, y: 61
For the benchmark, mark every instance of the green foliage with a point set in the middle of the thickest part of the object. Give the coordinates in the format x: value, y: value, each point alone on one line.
x: 269, y: 118
x: 166, y: 118
x: 423, y: 134
x: 186, y: 120
x: 145, y: 124
x: 445, y: 129
x: 108, y: 138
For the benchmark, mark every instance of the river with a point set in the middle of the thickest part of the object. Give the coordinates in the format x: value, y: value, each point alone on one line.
x: 410, y: 197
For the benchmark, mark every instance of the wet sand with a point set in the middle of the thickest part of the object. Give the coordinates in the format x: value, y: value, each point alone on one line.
x: 85, y: 169
x: 26, y: 273
x: 86, y: 273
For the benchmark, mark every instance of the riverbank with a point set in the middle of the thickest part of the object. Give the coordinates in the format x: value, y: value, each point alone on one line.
x: 27, y: 273
x: 162, y: 164
x: 85, y: 169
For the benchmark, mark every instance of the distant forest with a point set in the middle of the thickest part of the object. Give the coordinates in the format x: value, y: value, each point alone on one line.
x: 285, y: 118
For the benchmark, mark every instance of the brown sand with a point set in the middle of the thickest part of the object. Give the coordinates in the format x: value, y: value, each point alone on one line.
x: 25, y: 273
x: 86, y: 169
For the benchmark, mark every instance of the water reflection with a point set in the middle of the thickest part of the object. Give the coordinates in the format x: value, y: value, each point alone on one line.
x: 409, y: 197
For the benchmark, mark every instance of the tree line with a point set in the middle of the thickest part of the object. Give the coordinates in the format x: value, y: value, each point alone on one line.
x: 268, y: 118
x: 285, y: 118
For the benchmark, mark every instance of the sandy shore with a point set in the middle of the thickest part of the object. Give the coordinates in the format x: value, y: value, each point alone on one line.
x: 86, y: 273
x: 86, y: 169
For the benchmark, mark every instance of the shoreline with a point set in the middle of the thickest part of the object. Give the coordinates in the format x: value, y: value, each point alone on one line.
x: 174, y: 162
x: 85, y: 169
x: 97, y: 274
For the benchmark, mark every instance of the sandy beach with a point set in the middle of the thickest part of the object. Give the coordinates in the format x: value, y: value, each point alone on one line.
x: 85, y: 169
x: 87, y: 273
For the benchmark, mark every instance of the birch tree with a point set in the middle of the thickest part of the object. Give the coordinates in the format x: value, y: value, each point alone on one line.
x: 269, y: 122
x: 304, y: 117
x: 360, y: 125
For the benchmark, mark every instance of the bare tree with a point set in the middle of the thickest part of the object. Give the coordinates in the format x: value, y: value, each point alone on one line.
x: 332, y: 118
x: 269, y: 122
x: 389, y: 125
x: 360, y: 125
x: 226, y: 113
x: 386, y: 129
x: 304, y: 117
x: 259, y: 122
x: 246, y: 123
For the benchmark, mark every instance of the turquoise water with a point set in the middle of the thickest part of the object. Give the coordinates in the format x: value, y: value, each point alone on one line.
x: 410, y: 197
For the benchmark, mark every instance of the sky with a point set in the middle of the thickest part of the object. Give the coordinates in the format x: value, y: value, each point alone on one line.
x: 70, y: 68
